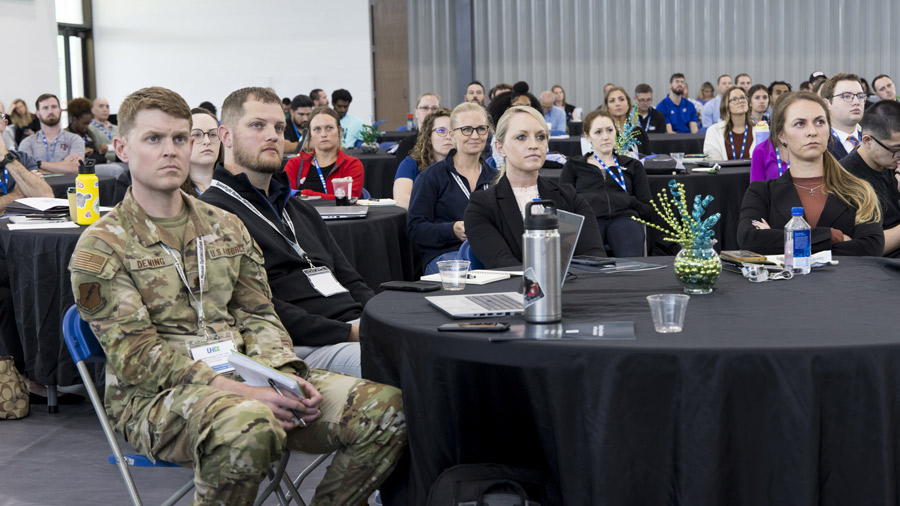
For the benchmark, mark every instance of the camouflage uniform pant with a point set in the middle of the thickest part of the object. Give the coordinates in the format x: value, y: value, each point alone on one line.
x: 231, y: 441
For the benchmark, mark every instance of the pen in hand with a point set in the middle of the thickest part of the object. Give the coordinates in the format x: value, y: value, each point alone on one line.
x: 297, y: 418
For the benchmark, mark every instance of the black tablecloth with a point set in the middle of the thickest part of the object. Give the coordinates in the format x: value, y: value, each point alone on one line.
x: 110, y: 192
x: 676, y: 143
x: 569, y: 147
x: 377, y: 246
x: 727, y: 187
x: 380, y: 169
x: 395, y: 135
x: 39, y: 280
x: 785, y: 392
x: 38, y: 262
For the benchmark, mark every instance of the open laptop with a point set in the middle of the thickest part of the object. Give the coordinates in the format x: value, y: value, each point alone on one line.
x: 724, y: 163
x: 342, y: 212
x: 511, y: 303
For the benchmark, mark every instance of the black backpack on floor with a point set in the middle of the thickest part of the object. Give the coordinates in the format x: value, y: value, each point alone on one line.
x: 487, y: 485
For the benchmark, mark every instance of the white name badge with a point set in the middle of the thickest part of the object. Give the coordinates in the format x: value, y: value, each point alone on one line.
x: 322, y: 279
x: 214, y: 352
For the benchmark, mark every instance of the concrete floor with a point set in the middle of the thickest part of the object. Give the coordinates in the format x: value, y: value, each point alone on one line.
x: 49, y: 460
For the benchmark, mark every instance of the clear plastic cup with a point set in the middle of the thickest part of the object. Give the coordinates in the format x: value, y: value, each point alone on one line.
x: 453, y: 274
x: 668, y: 311
x: 679, y: 160
x: 342, y: 190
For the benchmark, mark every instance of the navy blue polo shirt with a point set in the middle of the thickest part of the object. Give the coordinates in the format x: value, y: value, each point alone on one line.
x: 679, y: 116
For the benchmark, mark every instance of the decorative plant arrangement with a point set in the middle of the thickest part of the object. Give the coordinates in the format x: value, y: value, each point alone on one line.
x: 369, y: 136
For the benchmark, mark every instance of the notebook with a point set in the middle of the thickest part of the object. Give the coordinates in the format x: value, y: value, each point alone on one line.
x: 511, y: 303
x: 342, y: 212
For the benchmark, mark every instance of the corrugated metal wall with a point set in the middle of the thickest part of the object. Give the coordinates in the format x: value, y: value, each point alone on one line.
x: 583, y: 44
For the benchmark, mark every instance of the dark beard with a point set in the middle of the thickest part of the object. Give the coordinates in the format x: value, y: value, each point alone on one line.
x: 678, y: 92
x: 246, y: 160
x: 50, y: 122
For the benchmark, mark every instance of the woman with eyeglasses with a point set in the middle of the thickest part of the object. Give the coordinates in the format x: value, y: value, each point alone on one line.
x: 841, y: 209
x: 206, y: 151
x: 434, y: 141
x: 615, y: 186
x: 312, y: 172
x: 494, y: 218
x: 732, y: 138
x: 426, y: 104
x: 441, y: 192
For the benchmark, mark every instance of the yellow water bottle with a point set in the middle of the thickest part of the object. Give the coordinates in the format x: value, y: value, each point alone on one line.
x: 87, y: 195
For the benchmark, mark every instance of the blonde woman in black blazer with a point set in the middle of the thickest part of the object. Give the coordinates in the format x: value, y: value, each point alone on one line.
x: 495, y: 217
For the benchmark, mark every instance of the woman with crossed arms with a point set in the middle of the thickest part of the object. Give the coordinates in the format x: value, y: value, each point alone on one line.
x: 495, y: 218
x: 841, y: 209
x: 442, y: 191
x: 615, y: 186
x: 732, y: 138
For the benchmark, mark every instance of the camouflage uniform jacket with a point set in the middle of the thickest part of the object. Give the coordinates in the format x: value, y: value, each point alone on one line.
x: 128, y: 290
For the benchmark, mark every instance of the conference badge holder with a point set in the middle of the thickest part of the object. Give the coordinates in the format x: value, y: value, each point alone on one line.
x: 323, y: 280
x: 214, y: 349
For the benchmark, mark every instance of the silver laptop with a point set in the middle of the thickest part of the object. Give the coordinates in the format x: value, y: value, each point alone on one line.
x: 511, y: 303
x: 342, y: 212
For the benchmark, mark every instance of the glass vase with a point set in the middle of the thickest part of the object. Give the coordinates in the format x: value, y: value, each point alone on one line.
x: 698, y: 268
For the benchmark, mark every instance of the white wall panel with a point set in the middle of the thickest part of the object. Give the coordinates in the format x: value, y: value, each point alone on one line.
x: 582, y: 44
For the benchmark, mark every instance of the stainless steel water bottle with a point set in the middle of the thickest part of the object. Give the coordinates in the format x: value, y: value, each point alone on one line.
x: 540, y: 261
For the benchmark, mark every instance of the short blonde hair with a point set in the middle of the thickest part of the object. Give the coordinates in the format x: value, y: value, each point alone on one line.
x: 464, y: 108
x: 154, y: 97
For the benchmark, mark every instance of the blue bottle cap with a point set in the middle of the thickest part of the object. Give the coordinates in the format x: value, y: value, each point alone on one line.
x: 796, y: 211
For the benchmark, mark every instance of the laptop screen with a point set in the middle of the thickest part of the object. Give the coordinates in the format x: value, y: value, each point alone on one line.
x: 569, y: 231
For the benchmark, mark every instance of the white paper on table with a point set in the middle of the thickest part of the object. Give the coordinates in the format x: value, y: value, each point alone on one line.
x: 42, y: 203
x: 46, y: 224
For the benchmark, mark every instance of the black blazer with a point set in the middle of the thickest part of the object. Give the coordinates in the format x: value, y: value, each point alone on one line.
x: 494, y: 224
x: 773, y: 200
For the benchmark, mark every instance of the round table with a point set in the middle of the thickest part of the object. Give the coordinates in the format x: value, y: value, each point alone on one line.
x: 727, y: 187
x: 380, y: 169
x: 109, y: 194
x: 377, y: 246
x: 785, y: 392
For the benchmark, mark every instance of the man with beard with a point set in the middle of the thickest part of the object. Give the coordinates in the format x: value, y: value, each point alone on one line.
x: 56, y: 150
x: 681, y: 115
x: 162, y: 276
x: 102, y: 130
x: 297, y: 131
x: 300, y: 254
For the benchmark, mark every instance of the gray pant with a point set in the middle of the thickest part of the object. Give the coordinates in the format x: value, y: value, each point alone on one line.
x: 342, y: 358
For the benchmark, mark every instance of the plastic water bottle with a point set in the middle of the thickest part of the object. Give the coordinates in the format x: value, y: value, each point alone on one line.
x: 797, y: 243
x: 540, y: 248
x: 410, y: 122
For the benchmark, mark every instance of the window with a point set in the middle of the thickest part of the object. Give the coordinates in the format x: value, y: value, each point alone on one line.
x: 75, y: 47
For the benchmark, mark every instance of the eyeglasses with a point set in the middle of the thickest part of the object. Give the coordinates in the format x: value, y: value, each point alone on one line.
x: 467, y: 130
x: 894, y: 153
x: 848, y: 97
x: 443, y: 132
x: 3, y: 116
x: 198, y: 134
x: 742, y: 98
x: 428, y: 108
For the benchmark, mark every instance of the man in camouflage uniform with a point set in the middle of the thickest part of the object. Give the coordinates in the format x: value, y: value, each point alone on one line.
x: 127, y: 285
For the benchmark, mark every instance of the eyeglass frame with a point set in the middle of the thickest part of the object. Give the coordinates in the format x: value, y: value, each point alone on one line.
x: 428, y: 108
x: 862, y: 97
x: 895, y: 154
x: 447, y: 131
x: 485, y: 129
x: 212, y: 133
x: 740, y: 98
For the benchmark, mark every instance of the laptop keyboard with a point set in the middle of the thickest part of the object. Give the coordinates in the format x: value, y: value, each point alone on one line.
x: 496, y: 302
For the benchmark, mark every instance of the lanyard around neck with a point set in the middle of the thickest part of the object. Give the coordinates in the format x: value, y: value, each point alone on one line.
x: 49, y: 154
x: 321, y: 178
x: 620, y: 179
x: 464, y: 187
x: 105, y: 131
x: 778, y: 159
x: 743, y: 143
x: 201, y: 267
x: 285, y: 218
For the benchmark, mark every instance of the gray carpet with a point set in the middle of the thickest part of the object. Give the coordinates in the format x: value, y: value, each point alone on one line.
x: 49, y: 460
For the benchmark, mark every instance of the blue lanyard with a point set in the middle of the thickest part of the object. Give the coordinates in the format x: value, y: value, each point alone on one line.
x: 621, y: 179
x: 105, y: 132
x: 647, y: 125
x: 296, y: 132
x: 321, y: 178
x: 743, y: 143
x: 778, y: 159
x: 5, y: 180
x: 47, y: 146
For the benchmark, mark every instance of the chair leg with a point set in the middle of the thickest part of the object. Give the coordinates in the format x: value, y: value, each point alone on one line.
x: 179, y: 493
x: 306, y: 472
x: 275, y: 475
x: 52, y: 401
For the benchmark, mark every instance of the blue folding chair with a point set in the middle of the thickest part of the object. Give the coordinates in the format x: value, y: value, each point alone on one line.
x: 84, y: 348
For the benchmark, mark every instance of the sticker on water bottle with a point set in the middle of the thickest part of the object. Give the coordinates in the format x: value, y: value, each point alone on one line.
x: 533, y: 292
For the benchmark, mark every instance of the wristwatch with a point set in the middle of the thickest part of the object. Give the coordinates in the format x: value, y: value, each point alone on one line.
x: 9, y: 158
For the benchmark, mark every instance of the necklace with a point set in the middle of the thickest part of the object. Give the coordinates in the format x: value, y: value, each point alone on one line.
x: 812, y: 191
